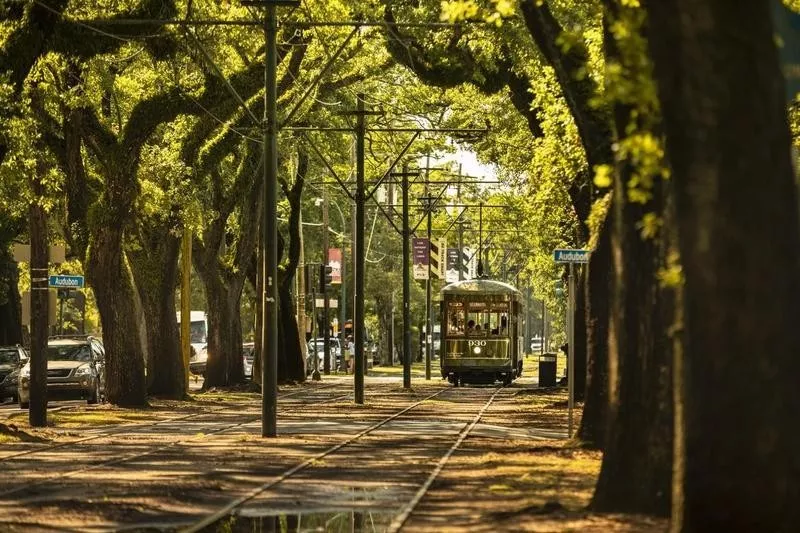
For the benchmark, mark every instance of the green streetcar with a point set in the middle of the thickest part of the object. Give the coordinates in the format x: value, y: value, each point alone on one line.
x: 481, y: 332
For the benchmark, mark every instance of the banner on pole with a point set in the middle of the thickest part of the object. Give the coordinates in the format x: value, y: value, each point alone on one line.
x: 335, y: 262
x: 438, y: 247
x: 421, y: 255
x: 453, y: 264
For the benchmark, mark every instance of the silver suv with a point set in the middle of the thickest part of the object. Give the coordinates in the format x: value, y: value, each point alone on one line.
x: 75, y: 370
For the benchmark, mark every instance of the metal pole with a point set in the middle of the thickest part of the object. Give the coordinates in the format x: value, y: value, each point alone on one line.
x: 428, y: 319
x: 326, y: 303
x: 390, y: 357
x: 406, y: 287
x: 186, y: 303
x: 544, y: 327
x: 571, y: 348
x: 528, y: 315
x: 343, y: 296
x: 461, y: 251
x: 62, y: 295
x: 315, y: 374
x: 269, y: 237
x: 358, y: 317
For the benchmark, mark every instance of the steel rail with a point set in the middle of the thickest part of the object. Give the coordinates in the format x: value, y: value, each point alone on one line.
x: 226, y: 510
x: 401, y: 519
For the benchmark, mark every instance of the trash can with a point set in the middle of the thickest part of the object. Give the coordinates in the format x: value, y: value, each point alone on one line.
x: 547, y: 370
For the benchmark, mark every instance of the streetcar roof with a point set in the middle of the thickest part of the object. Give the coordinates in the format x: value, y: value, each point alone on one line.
x: 472, y: 286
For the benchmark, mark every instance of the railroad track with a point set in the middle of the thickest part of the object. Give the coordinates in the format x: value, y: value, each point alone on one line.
x: 153, y: 450
x: 137, y: 426
x: 398, y: 522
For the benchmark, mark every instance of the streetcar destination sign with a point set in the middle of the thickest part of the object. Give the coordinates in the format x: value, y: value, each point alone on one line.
x: 66, y: 282
x: 571, y: 256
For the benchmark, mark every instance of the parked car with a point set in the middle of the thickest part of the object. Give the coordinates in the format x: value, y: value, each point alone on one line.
x: 12, y: 358
x: 75, y: 370
x: 198, y: 359
x: 318, y: 346
x: 248, y: 351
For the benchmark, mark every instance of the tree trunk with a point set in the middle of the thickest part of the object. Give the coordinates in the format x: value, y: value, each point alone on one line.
x: 291, y: 367
x: 637, y: 462
x: 595, y: 408
x: 636, y: 472
x: 10, y: 303
x: 156, y: 273
x: 224, y: 366
x: 110, y: 279
x: 728, y: 145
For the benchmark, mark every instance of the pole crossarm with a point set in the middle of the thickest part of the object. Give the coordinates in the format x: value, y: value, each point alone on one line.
x: 388, y: 216
x: 430, y: 205
x: 327, y: 164
x: 457, y: 220
x: 319, y: 77
x: 394, y: 163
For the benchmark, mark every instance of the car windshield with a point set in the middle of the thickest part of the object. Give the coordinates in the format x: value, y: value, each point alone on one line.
x: 197, y: 331
x: 9, y: 357
x: 69, y: 352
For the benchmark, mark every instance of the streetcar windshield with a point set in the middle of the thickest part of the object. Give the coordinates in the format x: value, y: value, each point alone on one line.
x: 479, y: 319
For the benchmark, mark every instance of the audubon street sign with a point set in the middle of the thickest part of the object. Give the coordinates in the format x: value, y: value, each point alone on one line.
x: 571, y: 256
x: 66, y: 282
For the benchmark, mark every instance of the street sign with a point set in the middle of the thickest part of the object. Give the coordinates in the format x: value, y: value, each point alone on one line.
x: 66, y: 282
x: 421, y: 254
x: 22, y: 252
x: 571, y: 256
x: 320, y: 303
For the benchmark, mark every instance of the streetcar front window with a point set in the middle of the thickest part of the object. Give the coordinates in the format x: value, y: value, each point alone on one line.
x: 477, y: 319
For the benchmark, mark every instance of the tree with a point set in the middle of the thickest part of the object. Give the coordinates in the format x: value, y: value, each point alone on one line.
x: 727, y: 141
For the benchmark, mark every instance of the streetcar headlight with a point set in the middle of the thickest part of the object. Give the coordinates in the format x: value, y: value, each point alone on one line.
x: 476, y: 350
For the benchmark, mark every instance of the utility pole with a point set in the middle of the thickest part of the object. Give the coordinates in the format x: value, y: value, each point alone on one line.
x: 269, y: 224
x: 390, y: 358
x: 406, y: 284
x: 325, y: 298
x: 315, y: 375
x: 359, y: 263
x: 343, y: 296
x: 428, y: 321
x: 528, y: 316
x: 40, y: 302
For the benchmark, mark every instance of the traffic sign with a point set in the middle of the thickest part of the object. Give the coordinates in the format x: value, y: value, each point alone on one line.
x: 571, y: 256
x: 66, y: 282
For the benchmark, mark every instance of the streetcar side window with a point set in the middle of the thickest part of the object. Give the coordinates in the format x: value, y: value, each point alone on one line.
x: 455, y: 324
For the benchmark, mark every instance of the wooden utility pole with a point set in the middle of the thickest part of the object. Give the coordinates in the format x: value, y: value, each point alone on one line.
x: 40, y: 312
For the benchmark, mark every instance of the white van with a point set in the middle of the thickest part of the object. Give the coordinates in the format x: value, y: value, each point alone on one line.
x: 198, y: 334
